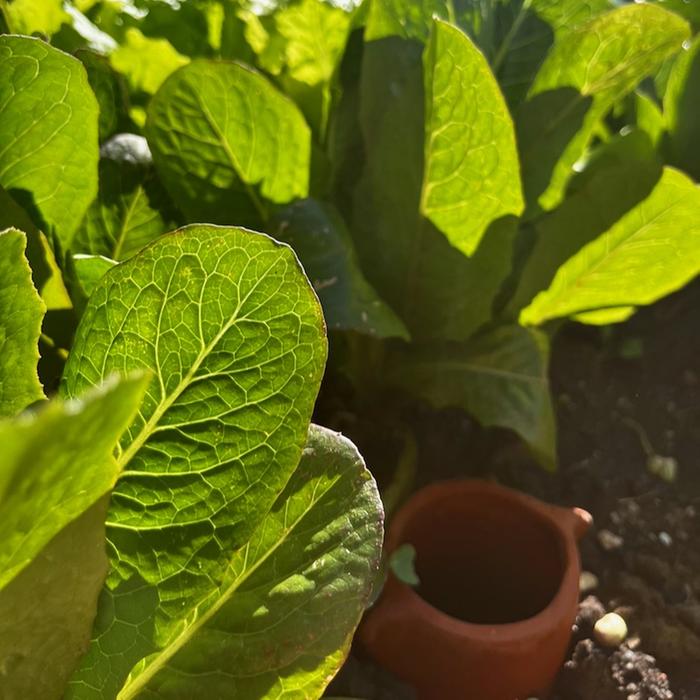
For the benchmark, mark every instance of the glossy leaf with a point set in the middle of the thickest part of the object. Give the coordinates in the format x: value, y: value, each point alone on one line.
x: 437, y: 290
x: 646, y: 254
x: 585, y: 72
x: 283, y: 616
x: 220, y: 135
x: 47, y: 611
x: 21, y: 314
x: 471, y: 163
x: 47, y: 163
x: 230, y: 327
x: 681, y: 105
x: 499, y: 377
x: 55, y: 464
x: 323, y: 244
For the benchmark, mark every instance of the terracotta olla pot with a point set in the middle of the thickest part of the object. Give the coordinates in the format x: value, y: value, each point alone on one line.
x: 492, y: 617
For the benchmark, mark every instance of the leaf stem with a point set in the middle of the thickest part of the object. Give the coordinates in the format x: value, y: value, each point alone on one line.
x: 508, y: 39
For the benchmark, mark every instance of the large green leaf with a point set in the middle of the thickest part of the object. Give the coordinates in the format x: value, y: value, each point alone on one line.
x: 585, y: 73
x: 21, y: 314
x: 48, y: 134
x: 56, y: 463
x: 648, y: 253
x: 429, y: 280
x: 227, y: 144
x: 471, y: 163
x: 618, y: 176
x: 320, y: 239
x: 281, y: 621
x: 48, y: 609
x: 131, y: 208
x: 500, y: 377
x: 229, y: 325
x: 681, y: 108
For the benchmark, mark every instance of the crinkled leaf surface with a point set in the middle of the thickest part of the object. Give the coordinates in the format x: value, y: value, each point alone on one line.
x: 21, y: 314
x: 318, y: 235
x: 648, y: 253
x: 232, y: 330
x: 55, y: 464
x: 499, y: 377
x: 681, y: 105
x: 437, y: 290
x: 48, y: 609
x: 226, y: 143
x: 283, y: 617
x: 585, y: 72
x: 472, y: 174
x: 48, y: 134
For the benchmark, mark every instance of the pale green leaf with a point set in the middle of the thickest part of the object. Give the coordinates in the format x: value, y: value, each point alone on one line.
x: 35, y: 16
x: 48, y: 134
x: 286, y: 609
x: 226, y: 143
x: 650, y: 252
x: 131, y: 208
x: 229, y: 325
x: 584, y: 74
x: 616, y: 178
x: 55, y: 464
x: 681, y: 110
x: 83, y: 273
x: 499, y: 377
x: 435, y: 288
x: 320, y: 239
x: 47, y: 611
x: 472, y: 174
x: 21, y: 315
x: 145, y: 62
x: 649, y: 117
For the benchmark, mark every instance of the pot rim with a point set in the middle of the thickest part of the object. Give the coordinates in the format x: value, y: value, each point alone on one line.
x: 563, y: 522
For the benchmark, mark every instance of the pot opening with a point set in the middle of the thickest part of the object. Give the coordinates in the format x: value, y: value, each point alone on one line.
x: 486, y: 560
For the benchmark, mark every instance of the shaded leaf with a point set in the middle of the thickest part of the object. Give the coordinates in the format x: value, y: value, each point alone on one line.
x: 21, y: 314
x: 47, y: 611
x: 499, y: 377
x: 437, y: 290
x: 131, y: 208
x: 55, y: 464
x: 320, y: 239
x: 49, y: 164
x: 83, y: 272
x: 220, y: 135
x: 681, y: 108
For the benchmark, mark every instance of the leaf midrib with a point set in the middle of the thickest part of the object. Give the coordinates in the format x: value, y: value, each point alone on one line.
x: 181, y: 640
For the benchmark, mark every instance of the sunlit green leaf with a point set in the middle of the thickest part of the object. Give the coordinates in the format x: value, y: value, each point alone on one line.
x: 48, y: 161
x: 21, y: 314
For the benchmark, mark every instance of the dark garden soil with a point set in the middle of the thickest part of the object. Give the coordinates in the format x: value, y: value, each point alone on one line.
x: 622, y: 396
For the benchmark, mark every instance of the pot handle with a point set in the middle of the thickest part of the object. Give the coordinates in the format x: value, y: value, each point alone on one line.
x: 575, y: 520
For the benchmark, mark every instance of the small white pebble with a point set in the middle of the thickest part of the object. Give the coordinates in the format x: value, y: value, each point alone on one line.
x: 610, y: 631
x: 665, y: 539
x: 609, y: 540
x: 588, y: 581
